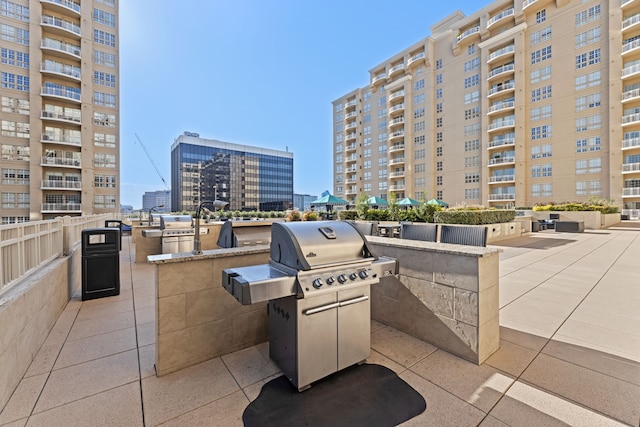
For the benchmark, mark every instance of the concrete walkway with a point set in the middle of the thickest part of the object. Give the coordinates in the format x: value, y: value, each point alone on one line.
x: 569, y: 355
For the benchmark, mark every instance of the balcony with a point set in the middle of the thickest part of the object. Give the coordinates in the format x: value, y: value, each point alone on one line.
x: 499, y: 179
x: 631, y: 192
x: 106, y: 375
x: 396, y: 69
x: 630, y: 168
x: 630, y: 95
x: 630, y: 47
x: 397, y: 187
x: 60, y: 93
x: 61, y: 27
x: 351, y: 125
x: 50, y: 138
x: 60, y: 162
x: 397, y: 134
x: 57, y: 117
x: 397, y: 174
x: 61, y: 207
x: 61, y: 49
x: 351, y: 158
x: 502, y: 197
x: 350, y: 115
x: 398, y: 107
x: 499, y: 161
x: 630, y: 22
x: 350, y: 104
x: 396, y: 122
x: 502, y: 105
x: 630, y: 119
x: 468, y: 33
x: 396, y: 147
x: 351, y: 147
x: 351, y: 136
x: 351, y: 190
x: 66, y: 72
x: 527, y: 3
x: 501, y: 124
x: 506, y: 68
x: 499, y: 17
x: 505, y: 87
x: 418, y: 58
x: 507, y: 50
x: 631, y: 71
x: 396, y: 94
x: 501, y: 142
x: 380, y: 78
x: 630, y: 143
x: 62, y: 6
x: 55, y: 184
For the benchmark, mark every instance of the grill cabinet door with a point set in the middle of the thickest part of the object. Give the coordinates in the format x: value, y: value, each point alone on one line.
x: 354, y: 326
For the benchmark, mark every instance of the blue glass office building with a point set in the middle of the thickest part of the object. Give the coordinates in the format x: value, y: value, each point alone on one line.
x: 248, y: 178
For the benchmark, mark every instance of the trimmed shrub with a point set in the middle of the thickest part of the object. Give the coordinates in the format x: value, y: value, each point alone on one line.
x: 348, y: 215
x: 474, y: 217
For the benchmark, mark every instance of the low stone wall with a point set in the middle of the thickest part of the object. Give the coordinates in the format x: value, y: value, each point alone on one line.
x: 28, y: 312
x: 196, y: 318
x: 593, y: 220
x: 503, y: 231
x: 444, y: 294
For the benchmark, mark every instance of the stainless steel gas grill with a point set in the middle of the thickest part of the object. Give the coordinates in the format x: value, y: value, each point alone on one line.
x: 318, y: 284
x: 238, y: 234
x: 177, y: 233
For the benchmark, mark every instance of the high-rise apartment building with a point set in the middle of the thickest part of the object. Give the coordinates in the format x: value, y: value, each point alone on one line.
x: 160, y: 200
x: 60, y: 108
x: 523, y: 102
x: 246, y: 177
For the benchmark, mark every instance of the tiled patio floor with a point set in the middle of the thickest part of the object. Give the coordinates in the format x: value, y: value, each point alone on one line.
x: 569, y: 355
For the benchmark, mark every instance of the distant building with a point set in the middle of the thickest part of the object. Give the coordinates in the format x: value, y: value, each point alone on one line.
x: 152, y: 199
x: 126, y: 209
x: 302, y: 202
x: 246, y: 177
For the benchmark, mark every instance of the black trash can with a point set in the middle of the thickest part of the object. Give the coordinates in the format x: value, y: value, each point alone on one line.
x: 115, y: 223
x: 100, y: 263
x: 535, y: 226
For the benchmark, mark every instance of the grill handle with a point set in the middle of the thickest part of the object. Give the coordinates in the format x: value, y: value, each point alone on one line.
x: 353, y: 300
x: 322, y: 308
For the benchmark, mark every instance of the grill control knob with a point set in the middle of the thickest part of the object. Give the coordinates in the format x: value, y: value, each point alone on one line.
x: 342, y: 278
x: 363, y: 274
x: 353, y: 276
x: 330, y: 280
x: 317, y: 283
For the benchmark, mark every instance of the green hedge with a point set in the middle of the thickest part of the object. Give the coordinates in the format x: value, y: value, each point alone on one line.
x: 577, y: 207
x: 474, y: 217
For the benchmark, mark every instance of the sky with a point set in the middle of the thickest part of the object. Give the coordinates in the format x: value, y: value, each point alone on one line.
x: 256, y: 72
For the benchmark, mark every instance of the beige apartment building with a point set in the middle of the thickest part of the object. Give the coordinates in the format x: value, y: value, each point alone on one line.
x: 60, y: 108
x: 523, y: 102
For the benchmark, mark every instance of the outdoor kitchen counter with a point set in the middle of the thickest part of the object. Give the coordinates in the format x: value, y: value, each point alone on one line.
x: 196, y: 318
x: 150, y: 243
x: 444, y: 294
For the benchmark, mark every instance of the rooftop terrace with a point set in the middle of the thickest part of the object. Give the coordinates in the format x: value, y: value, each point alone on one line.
x: 569, y: 351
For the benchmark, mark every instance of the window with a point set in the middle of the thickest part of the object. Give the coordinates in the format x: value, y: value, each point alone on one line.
x: 382, y: 137
x: 541, y: 113
x: 541, y: 93
x: 591, y: 188
x: 419, y: 85
x: 419, y: 140
x: 588, y: 80
x: 15, y: 11
x: 109, y: 80
x: 471, y: 49
x: 15, y: 176
x: 540, y: 36
x: 105, y: 18
x: 472, y: 161
x: 439, y: 122
x: 366, y: 130
x: 418, y: 113
x: 418, y: 99
x: 539, y: 151
x: 104, y: 99
x: 419, y: 182
x: 588, y: 101
x: 588, y: 166
x: 541, y: 190
x: 439, y: 107
x: 588, y: 123
x: 366, y: 176
x: 472, y: 97
x: 538, y: 171
x: 104, y: 201
x: 472, y: 113
x: 471, y: 177
x: 438, y: 180
x: 366, y: 142
x: 438, y: 151
x: 366, y: 118
x: 15, y: 129
x: 104, y: 38
x: 471, y: 65
x: 104, y: 181
x: 382, y: 174
x: 588, y: 144
x: 438, y: 64
x: 588, y: 37
x: 541, y: 16
x: 382, y: 161
x: 438, y: 136
x: 588, y: 58
x: 102, y: 119
x: 541, y: 55
x: 366, y: 153
x: 419, y: 168
x: 473, y: 129
x: 472, y: 145
x: 471, y: 193
x: 439, y: 93
x: 17, y: 58
x: 539, y: 132
x: 439, y: 166
x: 418, y: 127
x: 541, y: 74
x: 15, y: 105
x: 15, y: 81
x: 471, y: 81
x: 382, y: 186
x: 589, y: 15
x: 15, y: 152
x: 419, y: 154
x: 13, y: 34
x: 439, y: 79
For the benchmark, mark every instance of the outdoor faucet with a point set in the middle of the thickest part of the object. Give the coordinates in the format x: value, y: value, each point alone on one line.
x: 196, y: 237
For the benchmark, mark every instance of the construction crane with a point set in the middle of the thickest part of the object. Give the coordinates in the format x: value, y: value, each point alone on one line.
x: 166, y: 187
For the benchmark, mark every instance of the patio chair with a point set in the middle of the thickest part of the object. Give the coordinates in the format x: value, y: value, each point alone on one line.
x: 424, y: 232
x: 472, y: 235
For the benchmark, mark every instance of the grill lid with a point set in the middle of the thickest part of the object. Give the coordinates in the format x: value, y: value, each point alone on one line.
x: 175, y: 221
x: 315, y: 244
